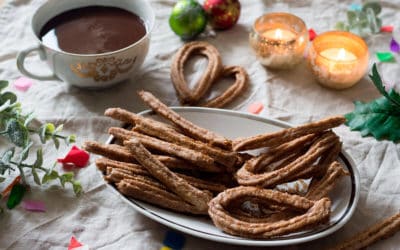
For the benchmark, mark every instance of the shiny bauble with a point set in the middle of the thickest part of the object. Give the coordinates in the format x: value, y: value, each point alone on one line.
x: 222, y: 14
x: 187, y: 19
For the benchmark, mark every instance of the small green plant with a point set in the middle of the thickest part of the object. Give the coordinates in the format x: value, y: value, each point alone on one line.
x: 363, y: 21
x: 379, y: 118
x: 16, y: 127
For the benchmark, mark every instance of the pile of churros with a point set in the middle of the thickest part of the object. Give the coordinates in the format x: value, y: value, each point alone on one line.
x: 180, y: 166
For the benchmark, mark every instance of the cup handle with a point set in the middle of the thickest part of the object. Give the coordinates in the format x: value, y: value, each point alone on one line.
x: 21, y: 59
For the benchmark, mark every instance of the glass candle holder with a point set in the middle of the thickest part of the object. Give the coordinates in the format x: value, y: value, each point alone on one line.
x: 338, y: 59
x: 279, y: 40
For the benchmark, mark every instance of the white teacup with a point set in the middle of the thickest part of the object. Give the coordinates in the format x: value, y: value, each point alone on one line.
x: 89, y: 70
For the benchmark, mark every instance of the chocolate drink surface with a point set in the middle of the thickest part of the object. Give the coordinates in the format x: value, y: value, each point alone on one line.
x: 93, y: 30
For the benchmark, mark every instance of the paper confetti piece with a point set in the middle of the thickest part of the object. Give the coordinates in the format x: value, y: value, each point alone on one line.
x: 355, y: 7
x: 174, y: 240
x: 385, y: 56
x: 7, y: 190
x: 34, y: 206
x: 165, y: 248
x: 312, y: 34
x: 255, y: 108
x: 76, y: 157
x: 74, y: 243
x: 16, y: 195
x: 23, y: 83
x: 394, y: 46
x: 387, y: 28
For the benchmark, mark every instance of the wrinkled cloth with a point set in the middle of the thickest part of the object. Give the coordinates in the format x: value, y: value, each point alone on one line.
x: 99, y: 218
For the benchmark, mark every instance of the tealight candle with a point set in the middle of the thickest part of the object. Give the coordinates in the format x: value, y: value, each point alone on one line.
x: 279, y: 40
x: 338, y: 59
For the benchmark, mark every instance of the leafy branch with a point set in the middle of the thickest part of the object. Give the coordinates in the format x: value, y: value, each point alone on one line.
x: 379, y: 118
x: 363, y: 21
x: 17, y: 128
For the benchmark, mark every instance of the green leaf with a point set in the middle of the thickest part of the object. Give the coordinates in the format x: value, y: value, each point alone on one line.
x: 25, y: 152
x: 38, y: 163
x: 17, y: 132
x: 8, y: 96
x: 66, y: 177
x: 76, y: 185
x: 340, y: 26
x: 5, y: 105
x: 377, y: 80
x: 1, y: 180
x: 59, y: 128
x: 49, y: 176
x: 46, y: 132
x: 39, y: 158
x: 5, y: 160
x: 7, y: 155
x: 29, y: 118
x: 16, y: 195
x: 36, y: 177
x: 3, y: 85
x: 56, y: 142
x: 50, y: 128
x: 375, y: 6
x: 379, y: 118
x: 70, y: 139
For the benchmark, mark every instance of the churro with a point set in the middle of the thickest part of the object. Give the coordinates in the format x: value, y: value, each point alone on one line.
x: 235, y: 90
x: 175, y: 183
x: 187, y: 126
x: 283, y: 136
x: 185, y: 95
x: 381, y: 230
x: 315, y: 213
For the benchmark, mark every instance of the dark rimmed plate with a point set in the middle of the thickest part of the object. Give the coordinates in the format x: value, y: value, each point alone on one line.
x: 234, y: 124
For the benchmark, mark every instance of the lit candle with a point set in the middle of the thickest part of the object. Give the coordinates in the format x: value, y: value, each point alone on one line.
x: 278, y: 39
x: 337, y: 54
x: 279, y: 35
x: 338, y: 59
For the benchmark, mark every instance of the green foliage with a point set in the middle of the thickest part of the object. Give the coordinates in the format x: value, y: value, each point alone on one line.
x: 16, y: 195
x: 15, y: 126
x: 363, y: 21
x: 379, y: 118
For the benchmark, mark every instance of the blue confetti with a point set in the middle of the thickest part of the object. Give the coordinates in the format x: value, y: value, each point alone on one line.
x: 355, y: 7
x: 174, y: 240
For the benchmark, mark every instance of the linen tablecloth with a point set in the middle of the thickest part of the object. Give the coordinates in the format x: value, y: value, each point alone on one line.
x: 99, y: 218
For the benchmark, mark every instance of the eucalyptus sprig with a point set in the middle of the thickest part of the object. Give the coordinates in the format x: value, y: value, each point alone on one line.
x: 363, y: 21
x: 17, y: 128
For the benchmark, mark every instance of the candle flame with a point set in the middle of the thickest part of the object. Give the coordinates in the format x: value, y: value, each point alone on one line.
x: 278, y: 34
x: 341, y: 55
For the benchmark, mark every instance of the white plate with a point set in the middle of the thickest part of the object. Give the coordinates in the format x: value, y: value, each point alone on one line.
x: 234, y: 124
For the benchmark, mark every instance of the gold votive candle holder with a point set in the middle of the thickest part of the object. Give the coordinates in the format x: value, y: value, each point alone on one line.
x: 279, y: 40
x: 338, y: 59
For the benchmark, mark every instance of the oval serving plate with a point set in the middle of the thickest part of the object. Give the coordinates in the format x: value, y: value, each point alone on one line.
x: 234, y: 124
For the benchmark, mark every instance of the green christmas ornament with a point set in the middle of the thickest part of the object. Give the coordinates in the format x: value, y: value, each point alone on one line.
x: 187, y: 19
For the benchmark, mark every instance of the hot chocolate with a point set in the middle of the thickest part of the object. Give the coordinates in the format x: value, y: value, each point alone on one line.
x: 93, y: 30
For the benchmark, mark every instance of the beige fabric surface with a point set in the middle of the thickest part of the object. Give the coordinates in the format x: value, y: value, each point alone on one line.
x: 103, y: 221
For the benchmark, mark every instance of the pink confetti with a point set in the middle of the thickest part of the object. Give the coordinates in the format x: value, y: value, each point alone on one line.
x: 34, y: 206
x: 23, y: 83
x: 74, y: 243
x: 255, y: 108
x: 312, y: 34
x: 387, y: 28
x: 75, y: 156
x: 394, y: 46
